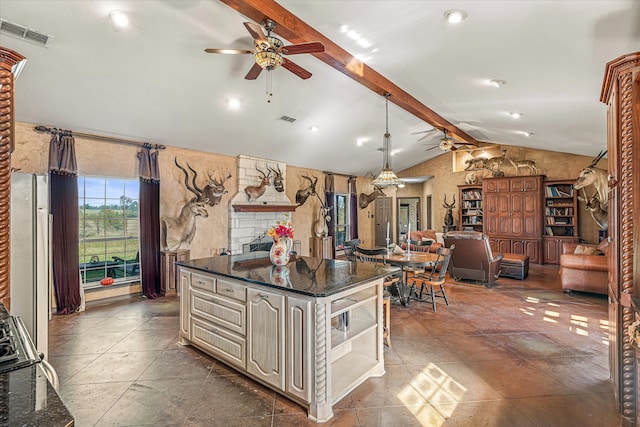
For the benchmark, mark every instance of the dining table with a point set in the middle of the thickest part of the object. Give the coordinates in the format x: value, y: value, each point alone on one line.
x: 405, y: 261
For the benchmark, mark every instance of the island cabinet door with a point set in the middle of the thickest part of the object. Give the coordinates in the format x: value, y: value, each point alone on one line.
x: 266, y: 336
x: 185, y: 279
x: 300, y: 330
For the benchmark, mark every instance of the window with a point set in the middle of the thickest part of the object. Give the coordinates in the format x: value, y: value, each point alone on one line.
x: 109, y: 228
x: 342, y: 226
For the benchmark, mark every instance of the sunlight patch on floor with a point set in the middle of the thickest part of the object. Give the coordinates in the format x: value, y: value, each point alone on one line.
x: 433, y: 384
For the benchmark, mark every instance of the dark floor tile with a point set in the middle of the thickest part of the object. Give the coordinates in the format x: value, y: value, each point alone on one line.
x: 341, y: 418
x: 89, y: 402
x: 179, y: 365
x: 231, y: 396
x: 86, y: 343
x: 67, y: 366
x: 497, y: 413
x: 156, y: 402
x: 585, y: 410
x: 115, y: 367
x: 414, y: 351
x: 406, y: 416
x: 392, y: 389
x: 143, y: 340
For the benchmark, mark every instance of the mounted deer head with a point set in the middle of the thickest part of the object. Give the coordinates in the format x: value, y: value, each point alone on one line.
x: 592, y: 204
x: 365, y: 200
x: 591, y: 175
x: 215, y: 189
x: 278, y: 179
x: 448, y: 217
x: 303, y: 194
x: 255, y: 192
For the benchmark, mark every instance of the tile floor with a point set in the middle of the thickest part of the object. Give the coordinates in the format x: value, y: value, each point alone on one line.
x: 518, y: 354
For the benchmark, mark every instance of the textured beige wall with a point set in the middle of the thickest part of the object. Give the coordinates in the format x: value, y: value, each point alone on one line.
x: 99, y: 158
x: 552, y: 164
x: 115, y: 160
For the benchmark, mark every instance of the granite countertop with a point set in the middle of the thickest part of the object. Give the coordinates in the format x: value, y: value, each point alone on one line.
x: 28, y: 399
x: 314, y: 277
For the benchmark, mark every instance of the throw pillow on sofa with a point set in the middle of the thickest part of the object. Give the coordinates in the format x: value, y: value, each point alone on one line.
x: 584, y: 250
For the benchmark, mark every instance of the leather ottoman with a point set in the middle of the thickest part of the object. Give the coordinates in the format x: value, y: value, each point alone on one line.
x: 515, y: 266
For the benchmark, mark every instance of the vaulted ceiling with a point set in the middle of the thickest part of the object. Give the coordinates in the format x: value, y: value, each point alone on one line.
x: 153, y: 81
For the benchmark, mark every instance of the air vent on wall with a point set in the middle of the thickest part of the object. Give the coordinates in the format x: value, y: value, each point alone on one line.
x: 25, y: 33
x: 288, y: 119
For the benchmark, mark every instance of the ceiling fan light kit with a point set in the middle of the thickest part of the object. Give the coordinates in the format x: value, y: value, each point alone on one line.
x: 455, y: 16
x: 387, y: 177
x: 269, y: 50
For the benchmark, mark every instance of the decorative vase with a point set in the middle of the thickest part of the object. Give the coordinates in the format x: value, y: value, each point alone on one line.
x: 279, y: 253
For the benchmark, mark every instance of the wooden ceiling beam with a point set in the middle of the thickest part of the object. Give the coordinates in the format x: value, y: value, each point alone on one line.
x: 293, y: 29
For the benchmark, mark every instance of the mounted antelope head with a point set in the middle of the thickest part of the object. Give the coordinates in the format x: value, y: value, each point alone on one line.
x: 592, y: 204
x: 591, y: 175
x: 213, y: 190
x: 448, y: 217
x: 278, y: 179
x: 255, y: 192
x: 181, y: 229
x: 303, y: 194
x: 365, y: 200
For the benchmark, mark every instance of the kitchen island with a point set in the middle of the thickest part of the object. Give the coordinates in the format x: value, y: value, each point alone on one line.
x: 311, y: 330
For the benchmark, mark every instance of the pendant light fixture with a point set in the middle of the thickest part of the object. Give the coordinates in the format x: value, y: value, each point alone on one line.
x: 387, y: 177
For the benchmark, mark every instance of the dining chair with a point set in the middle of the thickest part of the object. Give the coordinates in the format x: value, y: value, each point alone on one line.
x: 423, y: 246
x: 371, y: 256
x: 434, y: 277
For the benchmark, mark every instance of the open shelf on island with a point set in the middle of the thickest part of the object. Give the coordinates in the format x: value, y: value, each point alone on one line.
x: 264, y: 208
x: 358, y: 327
x: 348, y: 371
x: 351, y: 301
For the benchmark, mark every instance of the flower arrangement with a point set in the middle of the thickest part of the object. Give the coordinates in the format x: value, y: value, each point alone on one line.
x: 282, y: 229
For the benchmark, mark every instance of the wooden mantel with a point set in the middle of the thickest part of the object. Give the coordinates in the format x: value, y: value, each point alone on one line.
x: 264, y: 208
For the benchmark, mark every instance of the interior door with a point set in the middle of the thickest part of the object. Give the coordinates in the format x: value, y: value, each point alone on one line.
x: 383, y: 220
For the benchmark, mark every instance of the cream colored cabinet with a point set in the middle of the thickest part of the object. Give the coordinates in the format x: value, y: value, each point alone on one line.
x: 298, y: 345
x: 185, y: 311
x: 266, y: 336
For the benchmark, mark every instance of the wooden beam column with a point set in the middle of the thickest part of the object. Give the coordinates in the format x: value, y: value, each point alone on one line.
x: 9, y: 60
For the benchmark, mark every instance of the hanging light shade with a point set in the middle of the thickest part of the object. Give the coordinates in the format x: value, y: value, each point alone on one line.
x: 387, y: 176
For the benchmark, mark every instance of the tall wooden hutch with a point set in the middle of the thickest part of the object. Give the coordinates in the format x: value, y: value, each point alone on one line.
x: 513, y: 215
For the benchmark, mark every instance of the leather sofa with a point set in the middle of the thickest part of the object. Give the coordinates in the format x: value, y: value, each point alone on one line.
x: 472, y: 258
x: 585, y: 272
x: 422, y: 236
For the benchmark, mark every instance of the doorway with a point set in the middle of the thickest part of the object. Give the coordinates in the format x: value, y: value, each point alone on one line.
x: 408, y: 216
x: 383, y: 219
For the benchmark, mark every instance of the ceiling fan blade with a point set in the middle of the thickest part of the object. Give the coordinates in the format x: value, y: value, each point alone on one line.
x: 453, y: 148
x: 229, y: 51
x: 256, y: 32
x: 429, y: 149
x: 295, y: 69
x: 254, y: 72
x: 295, y: 49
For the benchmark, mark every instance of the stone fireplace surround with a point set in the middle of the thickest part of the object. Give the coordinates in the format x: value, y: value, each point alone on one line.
x: 251, y: 221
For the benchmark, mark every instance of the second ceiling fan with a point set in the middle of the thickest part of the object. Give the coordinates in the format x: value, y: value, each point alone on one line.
x: 269, y: 51
x: 447, y: 143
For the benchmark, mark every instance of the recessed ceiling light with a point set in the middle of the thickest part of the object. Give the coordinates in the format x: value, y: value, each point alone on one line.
x: 516, y: 115
x: 360, y: 141
x: 344, y: 29
x: 455, y: 16
x: 527, y: 134
x: 314, y: 128
x: 353, y: 35
x: 497, y: 83
x: 234, y: 103
x: 119, y: 20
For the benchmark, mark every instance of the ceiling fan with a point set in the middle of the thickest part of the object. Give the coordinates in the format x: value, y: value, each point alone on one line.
x: 269, y: 50
x: 447, y: 143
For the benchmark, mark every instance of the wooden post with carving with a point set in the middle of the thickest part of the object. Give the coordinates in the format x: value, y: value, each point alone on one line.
x: 8, y: 62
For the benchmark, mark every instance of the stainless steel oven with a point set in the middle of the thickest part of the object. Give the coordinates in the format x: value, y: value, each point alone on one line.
x: 17, y: 350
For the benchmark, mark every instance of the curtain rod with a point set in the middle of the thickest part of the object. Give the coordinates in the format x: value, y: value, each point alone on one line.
x: 41, y: 128
x: 339, y: 174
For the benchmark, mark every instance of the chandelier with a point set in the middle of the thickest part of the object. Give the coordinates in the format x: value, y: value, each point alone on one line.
x: 387, y: 176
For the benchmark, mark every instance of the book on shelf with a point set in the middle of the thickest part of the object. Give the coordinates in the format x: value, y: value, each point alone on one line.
x: 553, y: 191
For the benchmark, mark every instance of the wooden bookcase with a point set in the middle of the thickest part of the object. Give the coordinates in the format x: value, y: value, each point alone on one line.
x: 560, y: 218
x: 470, y: 207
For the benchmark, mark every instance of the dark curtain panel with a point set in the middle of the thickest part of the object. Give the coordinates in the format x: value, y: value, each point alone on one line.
x: 149, y: 222
x: 63, y: 188
x: 353, y: 208
x: 329, y: 199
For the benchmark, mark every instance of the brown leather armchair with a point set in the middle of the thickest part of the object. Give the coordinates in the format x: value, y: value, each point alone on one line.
x: 584, y: 272
x: 472, y: 258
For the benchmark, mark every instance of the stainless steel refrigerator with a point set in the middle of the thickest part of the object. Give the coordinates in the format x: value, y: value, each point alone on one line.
x: 31, y: 271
